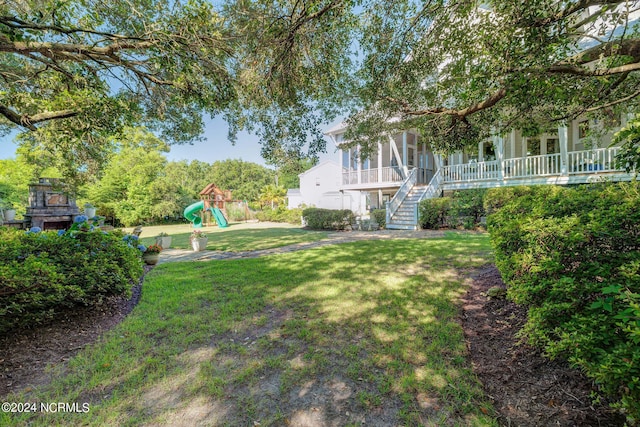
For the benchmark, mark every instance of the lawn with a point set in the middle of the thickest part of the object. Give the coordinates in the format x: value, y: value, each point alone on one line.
x: 351, y: 334
x: 236, y: 238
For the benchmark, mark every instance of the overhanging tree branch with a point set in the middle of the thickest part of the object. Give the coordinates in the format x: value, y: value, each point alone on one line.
x: 29, y: 122
x: 489, y: 102
x: 627, y: 47
x: 581, y: 5
x: 580, y: 71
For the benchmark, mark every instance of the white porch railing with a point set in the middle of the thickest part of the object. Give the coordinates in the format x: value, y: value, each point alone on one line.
x: 370, y: 176
x: 589, y: 161
x: 470, y: 171
x: 544, y: 165
x: 578, y: 162
x: 392, y: 174
x: 349, y: 178
x: 407, y: 185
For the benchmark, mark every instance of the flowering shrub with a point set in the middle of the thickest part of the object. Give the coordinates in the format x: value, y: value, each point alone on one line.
x: 45, y: 271
x: 197, y: 234
x: 153, y: 249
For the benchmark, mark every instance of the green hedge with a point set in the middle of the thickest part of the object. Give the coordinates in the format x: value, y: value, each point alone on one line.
x: 464, y: 208
x: 328, y: 219
x: 43, y: 272
x: 572, y: 255
x: 433, y: 213
x: 280, y: 214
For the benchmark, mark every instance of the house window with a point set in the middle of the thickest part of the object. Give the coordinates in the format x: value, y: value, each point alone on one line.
x: 553, y: 145
x: 533, y: 146
x: 489, y: 152
x: 345, y: 159
x: 583, y: 129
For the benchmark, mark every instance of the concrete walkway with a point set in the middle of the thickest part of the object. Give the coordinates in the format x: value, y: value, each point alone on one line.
x: 177, y: 255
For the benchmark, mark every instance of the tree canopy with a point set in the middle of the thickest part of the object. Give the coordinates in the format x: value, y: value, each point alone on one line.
x: 76, y: 73
x: 458, y: 70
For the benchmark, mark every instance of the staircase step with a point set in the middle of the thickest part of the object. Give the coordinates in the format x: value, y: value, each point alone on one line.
x: 393, y: 226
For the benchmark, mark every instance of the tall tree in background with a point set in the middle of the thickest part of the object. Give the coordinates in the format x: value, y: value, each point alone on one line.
x: 15, y: 176
x: 288, y: 172
x: 131, y: 189
x: 244, y: 179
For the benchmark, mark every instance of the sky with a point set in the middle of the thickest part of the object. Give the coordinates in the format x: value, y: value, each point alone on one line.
x: 214, y: 147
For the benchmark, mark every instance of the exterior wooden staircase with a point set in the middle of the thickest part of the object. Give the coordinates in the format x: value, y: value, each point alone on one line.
x: 402, y: 210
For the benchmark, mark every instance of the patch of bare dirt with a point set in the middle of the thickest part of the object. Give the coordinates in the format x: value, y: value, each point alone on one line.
x: 526, y: 388
x: 25, y: 353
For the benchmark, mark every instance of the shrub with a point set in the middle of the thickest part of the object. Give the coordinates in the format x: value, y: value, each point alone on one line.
x: 43, y: 272
x: 468, y: 205
x: 572, y: 255
x: 464, y: 207
x: 380, y: 216
x: 432, y: 213
x: 238, y: 212
x: 280, y: 214
x: 328, y: 219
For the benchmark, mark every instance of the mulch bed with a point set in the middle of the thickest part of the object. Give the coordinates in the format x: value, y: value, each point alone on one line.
x: 25, y: 354
x: 526, y: 389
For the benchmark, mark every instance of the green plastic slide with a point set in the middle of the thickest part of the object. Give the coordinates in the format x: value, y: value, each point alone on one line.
x: 191, y: 213
x: 219, y: 216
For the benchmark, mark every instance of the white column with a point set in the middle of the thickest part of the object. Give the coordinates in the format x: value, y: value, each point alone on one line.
x: 480, y: 151
x: 380, y: 166
x: 404, y: 153
x: 498, y: 147
x: 359, y: 164
x: 563, y: 133
x: 437, y: 160
x: 425, y: 162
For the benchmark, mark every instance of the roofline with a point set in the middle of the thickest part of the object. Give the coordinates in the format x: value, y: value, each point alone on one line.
x: 318, y: 165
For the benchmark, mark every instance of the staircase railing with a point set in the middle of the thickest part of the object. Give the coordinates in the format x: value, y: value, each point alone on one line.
x: 401, y: 194
x: 433, y: 189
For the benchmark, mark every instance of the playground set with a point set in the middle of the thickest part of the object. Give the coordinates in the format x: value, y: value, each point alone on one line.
x: 212, y: 200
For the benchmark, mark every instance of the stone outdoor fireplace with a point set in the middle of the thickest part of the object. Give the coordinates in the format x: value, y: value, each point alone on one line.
x: 50, y: 208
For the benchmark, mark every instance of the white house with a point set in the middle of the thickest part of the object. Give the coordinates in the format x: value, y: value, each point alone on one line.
x: 321, y: 187
x: 405, y: 171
